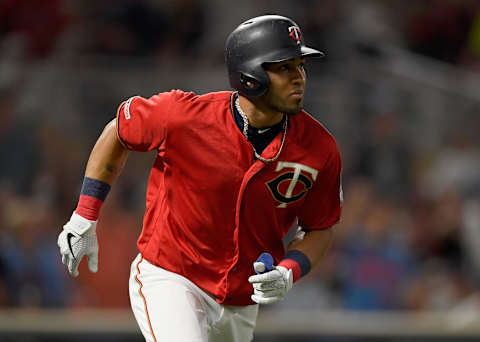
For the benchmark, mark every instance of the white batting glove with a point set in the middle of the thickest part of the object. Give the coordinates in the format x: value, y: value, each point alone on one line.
x: 272, y: 286
x: 79, y: 238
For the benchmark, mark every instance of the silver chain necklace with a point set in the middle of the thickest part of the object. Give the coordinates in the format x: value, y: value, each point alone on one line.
x: 245, y: 133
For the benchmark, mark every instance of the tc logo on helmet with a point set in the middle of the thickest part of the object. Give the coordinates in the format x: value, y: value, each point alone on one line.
x: 295, y: 33
x: 291, y: 186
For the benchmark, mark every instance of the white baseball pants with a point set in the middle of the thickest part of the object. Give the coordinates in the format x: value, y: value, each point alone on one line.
x: 169, y: 307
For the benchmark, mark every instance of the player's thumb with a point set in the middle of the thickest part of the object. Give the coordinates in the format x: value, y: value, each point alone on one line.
x: 93, y: 262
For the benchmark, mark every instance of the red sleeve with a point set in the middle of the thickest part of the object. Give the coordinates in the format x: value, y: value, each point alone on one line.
x: 142, y: 123
x: 323, y: 206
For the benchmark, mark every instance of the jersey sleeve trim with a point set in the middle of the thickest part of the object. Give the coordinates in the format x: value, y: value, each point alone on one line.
x: 126, y: 111
x: 117, y: 126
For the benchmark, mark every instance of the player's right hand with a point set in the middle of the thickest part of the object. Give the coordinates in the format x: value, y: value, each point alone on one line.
x: 78, y: 238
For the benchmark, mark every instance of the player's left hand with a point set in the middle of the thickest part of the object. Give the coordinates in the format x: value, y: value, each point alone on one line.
x: 272, y: 286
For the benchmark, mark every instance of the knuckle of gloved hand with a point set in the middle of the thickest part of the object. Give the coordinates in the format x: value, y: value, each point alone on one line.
x: 261, y: 294
x: 269, y: 287
x: 260, y: 287
x: 269, y: 294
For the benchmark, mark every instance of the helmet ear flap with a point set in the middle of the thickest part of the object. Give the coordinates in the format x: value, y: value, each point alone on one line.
x: 253, y: 85
x: 249, y: 82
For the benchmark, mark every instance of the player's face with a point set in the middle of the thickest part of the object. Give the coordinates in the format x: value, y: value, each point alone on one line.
x: 287, y: 85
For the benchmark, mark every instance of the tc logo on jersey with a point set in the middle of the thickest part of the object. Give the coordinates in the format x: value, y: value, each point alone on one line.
x: 293, y: 184
x: 295, y: 33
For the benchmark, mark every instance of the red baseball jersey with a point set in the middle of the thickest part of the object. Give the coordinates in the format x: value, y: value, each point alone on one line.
x: 211, y: 207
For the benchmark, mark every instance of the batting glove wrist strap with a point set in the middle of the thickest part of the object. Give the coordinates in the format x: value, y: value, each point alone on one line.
x: 79, y: 225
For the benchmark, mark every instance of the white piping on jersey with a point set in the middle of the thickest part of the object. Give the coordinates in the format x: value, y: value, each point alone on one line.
x: 126, y: 109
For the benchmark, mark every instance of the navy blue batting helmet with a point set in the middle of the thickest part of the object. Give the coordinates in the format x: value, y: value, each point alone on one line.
x: 260, y: 40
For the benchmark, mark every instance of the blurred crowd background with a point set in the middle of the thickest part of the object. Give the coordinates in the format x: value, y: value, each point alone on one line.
x: 399, y: 89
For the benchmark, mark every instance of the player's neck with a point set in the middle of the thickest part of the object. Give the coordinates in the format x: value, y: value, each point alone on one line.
x: 258, y: 114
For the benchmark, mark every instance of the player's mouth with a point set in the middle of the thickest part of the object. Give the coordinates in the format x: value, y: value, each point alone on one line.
x: 297, y: 94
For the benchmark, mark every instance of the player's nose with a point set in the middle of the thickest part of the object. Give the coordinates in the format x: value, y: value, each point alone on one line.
x: 298, y: 75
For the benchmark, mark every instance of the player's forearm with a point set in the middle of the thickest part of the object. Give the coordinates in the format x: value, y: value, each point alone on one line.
x: 104, y: 166
x: 314, y: 245
x: 108, y: 156
x: 78, y: 237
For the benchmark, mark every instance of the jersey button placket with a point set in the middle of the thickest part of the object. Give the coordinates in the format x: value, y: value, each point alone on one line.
x: 252, y: 171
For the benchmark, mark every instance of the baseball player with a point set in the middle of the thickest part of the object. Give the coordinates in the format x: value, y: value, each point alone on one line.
x: 234, y: 171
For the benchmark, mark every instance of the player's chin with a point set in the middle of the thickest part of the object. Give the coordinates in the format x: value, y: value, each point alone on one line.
x: 294, y: 107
